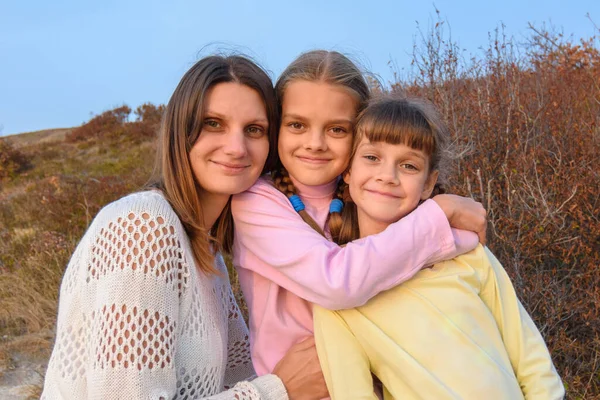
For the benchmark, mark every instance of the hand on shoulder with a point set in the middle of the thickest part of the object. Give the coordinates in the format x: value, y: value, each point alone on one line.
x: 464, y: 213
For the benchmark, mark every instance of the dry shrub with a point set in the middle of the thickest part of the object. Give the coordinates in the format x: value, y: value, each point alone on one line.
x: 101, y: 126
x: 12, y: 160
x: 113, y: 125
x: 149, y: 113
x: 529, y: 118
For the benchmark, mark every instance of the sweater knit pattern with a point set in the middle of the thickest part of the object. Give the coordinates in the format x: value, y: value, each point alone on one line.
x: 137, y: 319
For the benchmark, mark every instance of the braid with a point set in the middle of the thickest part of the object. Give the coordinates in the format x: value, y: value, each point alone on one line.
x: 335, y: 218
x: 349, y: 229
x: 283, y: 183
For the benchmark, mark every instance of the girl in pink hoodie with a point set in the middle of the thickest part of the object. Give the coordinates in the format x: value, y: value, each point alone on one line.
x: 284, y: 224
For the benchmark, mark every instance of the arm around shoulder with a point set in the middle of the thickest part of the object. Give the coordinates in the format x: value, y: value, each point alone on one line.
x: 273, y: 241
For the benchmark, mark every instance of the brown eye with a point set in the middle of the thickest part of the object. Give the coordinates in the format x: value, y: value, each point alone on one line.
x: 410, y: 167
x: 211, y: 123
x: 338, y: 131
x: 296, y: 125
x: 255, y: 131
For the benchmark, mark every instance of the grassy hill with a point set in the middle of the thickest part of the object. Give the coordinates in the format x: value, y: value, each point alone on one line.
x: 38, y: 137
x: 44, y: 210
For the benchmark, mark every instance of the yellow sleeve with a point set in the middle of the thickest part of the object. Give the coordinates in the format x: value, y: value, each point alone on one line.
x: 527, y: 351
x: 345, y: 364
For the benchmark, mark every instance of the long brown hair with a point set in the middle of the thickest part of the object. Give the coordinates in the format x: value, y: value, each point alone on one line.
x: 329, y: 67
x: 181, y: 125
x: 399, y: 120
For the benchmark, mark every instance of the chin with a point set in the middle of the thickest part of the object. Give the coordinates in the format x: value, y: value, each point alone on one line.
x: 233, y: 187
x: 311, y: 180
x: 386, y: 218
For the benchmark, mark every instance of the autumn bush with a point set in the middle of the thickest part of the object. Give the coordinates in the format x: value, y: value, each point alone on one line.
x: 12, y: 160
x: 527, y: 120
x: 109, y: 123
x: 114, y: 125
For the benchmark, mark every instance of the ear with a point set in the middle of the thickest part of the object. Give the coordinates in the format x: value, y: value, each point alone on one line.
x: 430, y: 184
x: 346, y: 176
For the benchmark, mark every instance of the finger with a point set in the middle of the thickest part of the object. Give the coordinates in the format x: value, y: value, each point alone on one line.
x: 482, y: 237
x: 483, y: 233
x: 306, y: 343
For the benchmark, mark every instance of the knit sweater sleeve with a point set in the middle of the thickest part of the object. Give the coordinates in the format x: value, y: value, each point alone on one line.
x: 273, y: 241
x: 135, y: 282
x: 133, y: 289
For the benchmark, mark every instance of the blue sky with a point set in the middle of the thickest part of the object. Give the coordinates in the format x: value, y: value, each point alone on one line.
x: 62, y: 61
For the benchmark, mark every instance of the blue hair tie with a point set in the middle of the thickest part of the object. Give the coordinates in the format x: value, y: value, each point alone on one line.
x: 297, y: 203
x: 336, y: 205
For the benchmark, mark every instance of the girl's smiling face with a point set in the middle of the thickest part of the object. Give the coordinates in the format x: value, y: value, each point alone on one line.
x: 315, y: 139
x: 387, y: 182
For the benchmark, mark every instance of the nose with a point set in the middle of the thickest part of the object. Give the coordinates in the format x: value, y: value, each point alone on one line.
x: 235, y: 144
x: 316, y: 140
x: 388, y: 174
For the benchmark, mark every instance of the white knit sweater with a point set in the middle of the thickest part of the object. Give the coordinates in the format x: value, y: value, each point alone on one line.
x: 138, y: 320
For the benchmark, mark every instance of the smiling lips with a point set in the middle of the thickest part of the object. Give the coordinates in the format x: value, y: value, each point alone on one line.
x: 231, y: 168
x: 314, y: 160
x: 382, y: 194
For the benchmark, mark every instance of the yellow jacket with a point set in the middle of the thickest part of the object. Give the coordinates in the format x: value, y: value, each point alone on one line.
x: 454, y: 331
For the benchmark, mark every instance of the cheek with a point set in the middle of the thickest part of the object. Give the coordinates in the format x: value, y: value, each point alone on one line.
x: 354, y: 192
x: 283, y: 142
x: 194, y: 156
x: 260, y: 149
x: 343, y: 148
x: 355, y: 183
x: 346, y: 148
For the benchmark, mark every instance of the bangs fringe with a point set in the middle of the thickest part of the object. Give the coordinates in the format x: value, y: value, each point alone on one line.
x: 397, y: 122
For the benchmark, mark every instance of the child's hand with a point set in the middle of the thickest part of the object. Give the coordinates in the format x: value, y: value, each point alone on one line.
x: 464, y: 213
x: 301, y: 373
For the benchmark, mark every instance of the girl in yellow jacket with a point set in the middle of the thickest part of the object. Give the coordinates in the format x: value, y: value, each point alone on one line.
x: 454, y: 331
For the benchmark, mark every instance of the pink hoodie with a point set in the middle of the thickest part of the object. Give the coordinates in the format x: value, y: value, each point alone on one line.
x: 284, y: 265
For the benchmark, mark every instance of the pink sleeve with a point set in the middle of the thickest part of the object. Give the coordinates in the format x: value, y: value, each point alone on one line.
x: 272, y: 240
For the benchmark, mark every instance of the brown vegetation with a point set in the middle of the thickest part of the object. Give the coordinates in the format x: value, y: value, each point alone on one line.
x: 528, y: 121
x: 527, y: 118
x: 12, y: 160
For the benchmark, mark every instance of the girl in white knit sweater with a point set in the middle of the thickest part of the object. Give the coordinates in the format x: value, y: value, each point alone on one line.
x: 146, y: 308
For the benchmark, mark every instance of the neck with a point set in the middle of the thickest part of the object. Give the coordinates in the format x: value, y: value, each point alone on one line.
x: 368, y: 226
x: 212, y: 206
x: 320, y: 191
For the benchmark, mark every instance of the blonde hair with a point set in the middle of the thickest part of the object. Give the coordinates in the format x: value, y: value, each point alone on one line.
x: 181, y: 125
x: 329, y: 67
x: 399, y: 120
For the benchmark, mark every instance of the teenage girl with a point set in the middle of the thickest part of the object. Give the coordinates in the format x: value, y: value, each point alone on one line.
x: 453, y: 331
x: 284, y: 223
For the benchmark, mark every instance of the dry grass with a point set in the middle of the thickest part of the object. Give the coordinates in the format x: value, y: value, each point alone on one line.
x: 39, y: 137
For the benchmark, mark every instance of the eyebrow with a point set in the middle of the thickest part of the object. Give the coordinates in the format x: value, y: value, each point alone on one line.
x: 418, y: 154
x: 415, y: 153
x: 335, y: 121
x: 214, y: 114
x: 368, y: 144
